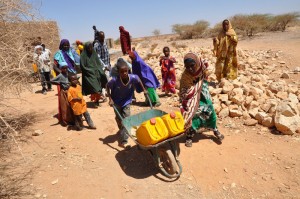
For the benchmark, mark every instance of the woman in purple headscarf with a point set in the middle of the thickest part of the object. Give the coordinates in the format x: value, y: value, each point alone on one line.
x: 66, y: 56
x: 146, y: 74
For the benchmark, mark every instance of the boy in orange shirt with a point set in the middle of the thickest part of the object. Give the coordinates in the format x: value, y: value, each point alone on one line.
x: 78, y: 104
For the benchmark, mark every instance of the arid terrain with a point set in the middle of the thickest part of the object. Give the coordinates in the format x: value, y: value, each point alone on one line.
x: 252, y: 162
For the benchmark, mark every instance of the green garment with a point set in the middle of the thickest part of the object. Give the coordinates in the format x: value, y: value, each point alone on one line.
x: 153, y: 96
x: 93, y: 77
x: 205, y: 115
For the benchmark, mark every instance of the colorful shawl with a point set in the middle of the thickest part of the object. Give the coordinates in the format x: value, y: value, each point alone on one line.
x: 65, y: 58
x: 190, y: 89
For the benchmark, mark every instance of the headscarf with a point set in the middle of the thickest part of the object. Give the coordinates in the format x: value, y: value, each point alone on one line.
x: 190, y: 88
x: 66, y: 55
x: 224, y: 41
x: 93, y: 77
x: 37, y: 47
x: 125, y: 40
x: 145, y: 73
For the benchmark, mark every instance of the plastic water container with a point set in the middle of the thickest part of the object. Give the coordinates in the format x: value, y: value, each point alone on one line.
x: 174, y: 123
x: 152, y: 131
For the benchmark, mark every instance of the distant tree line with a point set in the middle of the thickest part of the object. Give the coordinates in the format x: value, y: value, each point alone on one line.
x: 246, y: 25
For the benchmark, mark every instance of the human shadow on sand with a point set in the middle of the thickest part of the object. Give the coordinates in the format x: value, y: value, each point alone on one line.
x: 135, y: 162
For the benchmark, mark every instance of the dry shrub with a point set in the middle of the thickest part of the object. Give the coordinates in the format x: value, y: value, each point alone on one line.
x: 190, y: 31
x: 153, y: 46
x: 21, y: 28
x: 176, y: 45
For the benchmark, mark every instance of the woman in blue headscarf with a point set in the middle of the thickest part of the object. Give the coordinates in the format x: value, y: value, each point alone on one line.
x: 146, y: 74
x: 66, y: 56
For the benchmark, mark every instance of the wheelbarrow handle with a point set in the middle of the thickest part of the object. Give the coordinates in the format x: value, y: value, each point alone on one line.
x: 150, y: 103
x: 119, y: 114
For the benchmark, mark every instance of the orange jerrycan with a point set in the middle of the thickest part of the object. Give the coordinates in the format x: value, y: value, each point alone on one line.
x: 174, y: 123
x: 35, y: 67
x: 152, y: 131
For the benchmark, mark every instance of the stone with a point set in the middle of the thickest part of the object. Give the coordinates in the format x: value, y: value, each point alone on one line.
x: 217, y: 107
x: 266, y: 106
x: 268, y: 122
x: 251, y: 60
x: 244, y: 80
x: 37, y: 133
x: 255, y: 78
x: 287, y: 109
x: 282, y: 95
x: 224, y: 112
x: 246, y: 115
x: 226, y: 87
x: 216, y: 91
x: 235, y: 113
x: 253, y: 112
x: 297, y: 70
x: 298, y: 130
x: 250, y: 122
x: 238, y: 99
x: 253, y: 104
x: 285, y: 76
x: 293, y: 98
x: 223, y: 97
x: 260, y: 116
x: 292, y: 89
x: 256, y: 92
x: 248, y: 100
x: 275, y: 87
x: 281, y: 62
x: 287, y: 119
x: 237, y: 84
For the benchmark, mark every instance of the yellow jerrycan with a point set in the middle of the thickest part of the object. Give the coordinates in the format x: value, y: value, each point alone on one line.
x: 152, y: 131
x: 174, y: 123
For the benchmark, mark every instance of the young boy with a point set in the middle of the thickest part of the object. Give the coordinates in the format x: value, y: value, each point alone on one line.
x: 65, y: 114
x: 120, y: 91
x: 78, y: 104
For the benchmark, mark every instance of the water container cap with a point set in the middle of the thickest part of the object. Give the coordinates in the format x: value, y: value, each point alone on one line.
x: 172, y: 115
x: 153, y: 121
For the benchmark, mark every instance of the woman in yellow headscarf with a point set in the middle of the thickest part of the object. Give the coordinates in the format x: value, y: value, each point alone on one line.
x: 225, y: 51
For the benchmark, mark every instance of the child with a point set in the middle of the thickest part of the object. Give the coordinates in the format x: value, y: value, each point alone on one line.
x: 147, y: 76
x: 65, y: 114
x: 120, y: 92
x: 78, y: 104
x: 43, y: 62
x: 168, y: 71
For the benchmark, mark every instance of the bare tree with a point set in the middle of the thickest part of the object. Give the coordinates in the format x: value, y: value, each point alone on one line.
x: 156, y: 32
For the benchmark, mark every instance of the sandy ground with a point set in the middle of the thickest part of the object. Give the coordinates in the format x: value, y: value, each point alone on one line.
x: 252, y: 162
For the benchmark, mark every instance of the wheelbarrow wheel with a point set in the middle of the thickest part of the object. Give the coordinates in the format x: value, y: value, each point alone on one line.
x: 168, y: 161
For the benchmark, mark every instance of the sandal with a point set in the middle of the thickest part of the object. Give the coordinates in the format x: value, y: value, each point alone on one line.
x: 188, y: 142
x: 219, y: 135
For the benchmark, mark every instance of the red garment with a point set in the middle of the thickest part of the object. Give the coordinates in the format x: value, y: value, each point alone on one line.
x: 125, y: 40
x: 168, y: 74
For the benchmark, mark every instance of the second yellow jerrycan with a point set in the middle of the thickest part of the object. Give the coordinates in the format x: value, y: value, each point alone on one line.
x: 174, y: 123
x: 152, y: 131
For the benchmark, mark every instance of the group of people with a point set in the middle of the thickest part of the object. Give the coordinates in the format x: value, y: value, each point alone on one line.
x: 118, y: 83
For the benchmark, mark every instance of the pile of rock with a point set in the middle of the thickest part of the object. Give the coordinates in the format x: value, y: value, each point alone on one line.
x: 260, y: 94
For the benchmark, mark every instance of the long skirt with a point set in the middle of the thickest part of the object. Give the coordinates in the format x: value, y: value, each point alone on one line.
x: 153, y: 96
x: 66, y: 115
x: 205, y: 115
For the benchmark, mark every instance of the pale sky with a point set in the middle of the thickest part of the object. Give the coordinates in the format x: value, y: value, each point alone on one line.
x: 76, y: 17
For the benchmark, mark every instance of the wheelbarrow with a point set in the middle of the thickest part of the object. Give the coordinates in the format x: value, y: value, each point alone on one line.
x: 164, y: 153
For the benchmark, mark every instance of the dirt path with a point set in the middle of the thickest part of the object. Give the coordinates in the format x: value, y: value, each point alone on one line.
x: 252, y: 162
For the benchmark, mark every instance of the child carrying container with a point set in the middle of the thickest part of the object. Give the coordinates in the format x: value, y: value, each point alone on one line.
x: 78, y: 104
x: 120, y: 91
